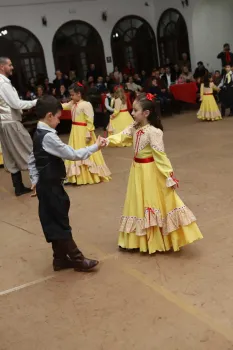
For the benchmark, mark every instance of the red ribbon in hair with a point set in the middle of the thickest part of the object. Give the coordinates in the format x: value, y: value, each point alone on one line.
x: 118, y: 87
x: 79, y: 84
x: 150, y: 97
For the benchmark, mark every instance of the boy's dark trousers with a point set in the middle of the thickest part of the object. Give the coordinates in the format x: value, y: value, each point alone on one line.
x: 54, y: 205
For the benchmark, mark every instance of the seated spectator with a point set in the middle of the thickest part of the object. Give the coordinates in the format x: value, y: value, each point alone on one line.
x: 133, y: 87
x: 161, y: 71
x: 125, y: 78
x: 67, y: 81
x: 137, y: 79
x: 168, y: 78
x: 162, y: 95
x: 217, y: 78
x: 92, y: 72
x: 169, y: 63
x: 155, y: 74
x: 60, y: 80
x: 176, y: 71
x: 109, y: 81
x: 92, y: 89
x: 200, y: 71
x: 72, y: 77
x: 29, y: 96
x: 117, y: 75
x: 40, y: 91
x: 143, y: 77
x: 54, y: 92
x: 129, y: 70
x: 186, y: 76
x: 100, y: 85
x: 185, y: 62
x: 32, y: 85
x: 47, y: 87
x: 64, y: 94
x: 90, y: 80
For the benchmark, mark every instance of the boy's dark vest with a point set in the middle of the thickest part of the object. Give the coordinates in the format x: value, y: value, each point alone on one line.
x: 51, y: 168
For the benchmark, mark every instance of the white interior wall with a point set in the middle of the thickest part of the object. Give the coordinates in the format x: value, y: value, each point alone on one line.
x: 212, y: 27
x: 29, y: 17
x: 209, y: 22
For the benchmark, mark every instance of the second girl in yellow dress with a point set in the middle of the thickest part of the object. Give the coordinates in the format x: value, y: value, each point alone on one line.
x: 154, y: 217
x: 93, y: 170
x: 209, y: 109
x: 121, y: 117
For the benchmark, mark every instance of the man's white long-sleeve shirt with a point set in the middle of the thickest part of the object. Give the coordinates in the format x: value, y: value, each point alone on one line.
x: 52, y: 144
x: 10, y: 104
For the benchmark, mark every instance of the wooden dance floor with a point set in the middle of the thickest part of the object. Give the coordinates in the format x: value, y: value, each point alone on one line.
x: 170, y: 301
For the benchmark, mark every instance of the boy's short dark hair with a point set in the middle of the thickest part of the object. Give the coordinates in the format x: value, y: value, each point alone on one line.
x: 47, y: 104
x: 217, y: 71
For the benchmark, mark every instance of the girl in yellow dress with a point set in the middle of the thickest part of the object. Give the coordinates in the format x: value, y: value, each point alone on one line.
x: 154, y: 217
x: 93, y: 170
x: 120, y: 118
x: 1, y: 158
x: 209, y: 109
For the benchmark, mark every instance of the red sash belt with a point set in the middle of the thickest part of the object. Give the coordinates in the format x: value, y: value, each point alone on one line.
x: 80, y: 124
x: 144, y: 160
x: 124, y: 110
x: 207, y: 94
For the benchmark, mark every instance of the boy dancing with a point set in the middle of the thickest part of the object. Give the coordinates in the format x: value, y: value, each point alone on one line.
x: 47, y: 172
x: 226, y: 93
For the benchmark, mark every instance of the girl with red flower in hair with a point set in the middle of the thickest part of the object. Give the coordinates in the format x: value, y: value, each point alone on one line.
x: 92, y: 170
x: 154, y: 217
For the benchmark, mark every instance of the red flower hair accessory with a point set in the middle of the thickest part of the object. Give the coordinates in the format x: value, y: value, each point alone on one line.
x: 150, y: 97
x: 79, y: 84
x: 118, y: 87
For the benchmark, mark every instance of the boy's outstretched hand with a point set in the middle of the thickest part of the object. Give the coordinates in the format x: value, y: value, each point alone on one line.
x: 101, y: 142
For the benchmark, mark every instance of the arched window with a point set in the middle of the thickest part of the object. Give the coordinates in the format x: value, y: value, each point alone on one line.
x: 172, y: 36
x: 133, y: 40
x: 26, y: 53
x: 76, y: 45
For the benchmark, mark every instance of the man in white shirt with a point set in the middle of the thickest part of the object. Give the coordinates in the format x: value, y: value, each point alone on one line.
x: 15, y: 140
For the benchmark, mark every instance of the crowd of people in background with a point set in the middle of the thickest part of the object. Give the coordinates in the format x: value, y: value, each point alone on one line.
x: 157, y: 82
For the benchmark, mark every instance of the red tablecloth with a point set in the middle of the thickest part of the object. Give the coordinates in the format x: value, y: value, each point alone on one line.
x: 66, y: 115
x: 185, y: 92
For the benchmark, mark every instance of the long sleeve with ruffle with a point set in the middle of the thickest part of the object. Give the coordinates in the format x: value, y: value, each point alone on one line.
x: 124, y: 138
x: 89, y: 116
x: 67, y: 106
x: 162, y: 162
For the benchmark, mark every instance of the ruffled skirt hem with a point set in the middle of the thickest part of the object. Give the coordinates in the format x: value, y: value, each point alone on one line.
x: 153, y: 241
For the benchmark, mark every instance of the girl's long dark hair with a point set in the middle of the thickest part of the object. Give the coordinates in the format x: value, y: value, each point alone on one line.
x: 150, y: 106
x: 78, y: 89
x: 206, y: 80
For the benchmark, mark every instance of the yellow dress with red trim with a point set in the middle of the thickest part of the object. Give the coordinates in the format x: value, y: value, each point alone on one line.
x: 154, y: 217
x: 209, y: 109
x: 120, y: 119
x: 1, y: 157
x: 92, y: 170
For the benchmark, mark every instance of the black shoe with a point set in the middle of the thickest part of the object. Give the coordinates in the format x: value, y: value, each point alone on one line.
x: 78, y: 259
x: 62, y: 264
x: 85, y: 265
x: 20, y: 189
